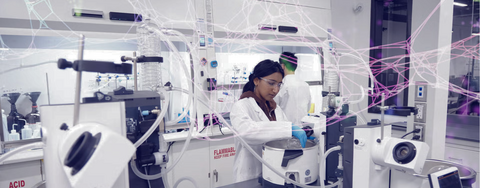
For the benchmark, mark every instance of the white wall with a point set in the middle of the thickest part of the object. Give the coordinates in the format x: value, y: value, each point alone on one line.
x: 353, y: 30
x: 434, y: 35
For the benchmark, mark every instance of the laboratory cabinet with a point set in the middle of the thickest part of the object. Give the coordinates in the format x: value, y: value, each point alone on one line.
x: 209, y: 163
x: 221, y: 160
x: 21, y: 174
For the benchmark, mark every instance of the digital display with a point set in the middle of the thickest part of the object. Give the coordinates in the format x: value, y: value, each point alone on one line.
x: 450, y: 180
x: 202, y: 40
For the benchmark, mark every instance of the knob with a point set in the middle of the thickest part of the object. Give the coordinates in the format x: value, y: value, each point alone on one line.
x: 63, y: 64
x: 123, y: 59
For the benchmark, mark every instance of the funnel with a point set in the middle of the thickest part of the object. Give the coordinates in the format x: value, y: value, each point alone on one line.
x: 14, y: 117
x: 33, y: 97
x: 12, y: 97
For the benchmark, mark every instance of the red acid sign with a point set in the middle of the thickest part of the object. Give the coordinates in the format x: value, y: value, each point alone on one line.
x: 17, y: 184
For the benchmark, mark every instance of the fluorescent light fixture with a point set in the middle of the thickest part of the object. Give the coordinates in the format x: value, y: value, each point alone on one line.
x: 475, y: 34
x: 460, y: 4
x: 4, y: 49
x: 87, y: 13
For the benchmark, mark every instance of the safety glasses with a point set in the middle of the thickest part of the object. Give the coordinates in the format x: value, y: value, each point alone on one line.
x: 273, y: 83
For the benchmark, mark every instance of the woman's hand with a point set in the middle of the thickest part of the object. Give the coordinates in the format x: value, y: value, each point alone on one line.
x: 300, y: 134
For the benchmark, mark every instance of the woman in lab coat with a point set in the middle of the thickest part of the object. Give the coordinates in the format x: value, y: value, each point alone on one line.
x: 258, y: 120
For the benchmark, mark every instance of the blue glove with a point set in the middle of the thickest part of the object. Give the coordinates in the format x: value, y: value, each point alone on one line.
x: 300, y: 134
x: 311, y: 138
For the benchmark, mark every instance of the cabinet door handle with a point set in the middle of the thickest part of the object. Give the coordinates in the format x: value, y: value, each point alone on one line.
x: 215, y: 173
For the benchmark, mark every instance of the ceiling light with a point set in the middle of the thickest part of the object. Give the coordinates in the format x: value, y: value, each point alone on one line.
x: 4, y: 49
x: 475, y: 34
x: 460, y: 4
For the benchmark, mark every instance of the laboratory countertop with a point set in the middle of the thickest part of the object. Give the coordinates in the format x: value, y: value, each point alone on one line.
x: 29, y: 155
x: 210, y: 132
x: 253, y: 183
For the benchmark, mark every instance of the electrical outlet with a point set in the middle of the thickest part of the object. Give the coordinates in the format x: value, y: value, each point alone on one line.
x: 421, y: 115
x: 420, y: 111
x: 421, y: 92
x: 422, y: 130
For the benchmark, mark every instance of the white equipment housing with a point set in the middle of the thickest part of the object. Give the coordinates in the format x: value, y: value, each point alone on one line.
x: 383, y: 154
x: 111, y: 115
x: 110, y: 153
x: 300, y: 165
x: 371, y: 159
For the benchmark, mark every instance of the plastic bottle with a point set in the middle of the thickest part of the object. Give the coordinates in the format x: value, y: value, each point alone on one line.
x: 149, y: 44
x: 37, y: 131
x: 5, y: 126
x: 13, y: 134
x: 26, y: 132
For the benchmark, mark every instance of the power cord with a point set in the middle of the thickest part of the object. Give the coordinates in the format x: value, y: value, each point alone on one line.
x: 169, y: 145
x: 202, y: 129
x: 217, y: 122
x: 149, y: 185
x: 416, y: 137
x: 414, y: 131
x: 220, y: 128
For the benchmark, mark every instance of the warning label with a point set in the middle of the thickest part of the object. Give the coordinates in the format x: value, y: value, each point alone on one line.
x: 222, y: 153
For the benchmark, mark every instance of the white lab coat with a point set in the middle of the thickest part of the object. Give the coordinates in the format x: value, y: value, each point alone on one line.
x: 249, y: 120
x: 294, y: 98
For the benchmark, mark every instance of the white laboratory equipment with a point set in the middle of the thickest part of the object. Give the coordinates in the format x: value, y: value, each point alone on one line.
x: 368, y: 158
x: 99, y: 143
x: 289, y: 158
x: 61, y: 138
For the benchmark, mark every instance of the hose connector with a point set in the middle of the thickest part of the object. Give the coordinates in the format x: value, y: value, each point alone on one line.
x: 161, y: 158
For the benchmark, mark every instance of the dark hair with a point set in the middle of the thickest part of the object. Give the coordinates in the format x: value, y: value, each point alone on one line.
x: 262, y: 69
x: 289, y: 60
